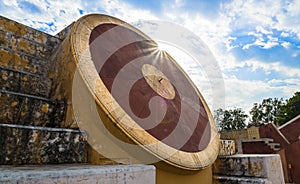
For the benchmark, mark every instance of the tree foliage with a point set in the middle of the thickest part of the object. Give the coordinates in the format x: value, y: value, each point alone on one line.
x: 232, y: 119
x: 270, y: 110
x: 267, y: 111
x: 274, y: 110
x: 290, y: 110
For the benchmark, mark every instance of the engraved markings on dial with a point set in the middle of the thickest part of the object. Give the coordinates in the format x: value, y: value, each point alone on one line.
x: 158, y: 81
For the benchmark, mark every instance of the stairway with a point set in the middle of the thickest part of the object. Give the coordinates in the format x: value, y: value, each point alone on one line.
x: 258, y: 146
x: 31, y: 123
x: 273, y: 145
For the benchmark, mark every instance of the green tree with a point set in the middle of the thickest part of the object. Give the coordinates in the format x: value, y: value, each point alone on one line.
x: 267, y: 111
x: 290, y: 110
x: 232, y: 119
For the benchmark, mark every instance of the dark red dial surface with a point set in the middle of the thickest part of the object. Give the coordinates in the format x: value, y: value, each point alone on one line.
x: 184, y: 125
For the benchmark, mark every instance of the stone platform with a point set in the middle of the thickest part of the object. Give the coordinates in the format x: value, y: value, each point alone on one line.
x: 75, y: 173
x: 248, y: 168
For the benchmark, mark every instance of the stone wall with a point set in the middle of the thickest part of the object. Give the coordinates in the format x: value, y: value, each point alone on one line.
x: 291, y: 130
x: 33, y: 145
x: 292, y: 158
x: 31, y: 124
x: 248, y: 169
x: 227, y: 147
x: 24, y: 48
x: 234, y: 134
x: 271, y: 131
x: 249, y: 133
x: 22, y: 109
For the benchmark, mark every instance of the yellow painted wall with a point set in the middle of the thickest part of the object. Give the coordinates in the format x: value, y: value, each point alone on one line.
x: 201, y: 177
x: 253, y: 132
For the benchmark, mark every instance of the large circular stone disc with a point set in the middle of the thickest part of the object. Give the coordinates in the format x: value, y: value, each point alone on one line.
x: 145, y: 92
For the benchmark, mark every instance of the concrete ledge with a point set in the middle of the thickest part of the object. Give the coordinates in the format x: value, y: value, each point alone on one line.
x: 108, y: 174
x: 250, y: 165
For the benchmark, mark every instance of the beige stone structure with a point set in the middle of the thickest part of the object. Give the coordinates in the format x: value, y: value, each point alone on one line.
x: 249, y: 133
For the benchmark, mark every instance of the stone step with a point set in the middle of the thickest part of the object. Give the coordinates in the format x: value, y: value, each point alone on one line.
x: 239, y: 180
x: 24, y: 45
x: 23, y: 62
x: 274, y: 146
x: 276, y: 149
x: 25, y: 49
x: 74, y: 173
x: 266, y: 166
x: 23, y: 82
x: 17, y: 108
x: 14, y: 31
x: 39, y: 145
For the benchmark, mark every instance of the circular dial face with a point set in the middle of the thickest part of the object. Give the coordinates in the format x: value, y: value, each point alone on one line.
x: 158, y: 81
x: 151, y: 88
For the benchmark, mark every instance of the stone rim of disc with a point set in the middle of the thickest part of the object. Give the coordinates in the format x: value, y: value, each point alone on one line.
x: 80, y: 34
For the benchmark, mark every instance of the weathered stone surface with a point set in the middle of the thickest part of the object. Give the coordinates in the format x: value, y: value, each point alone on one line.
x: 252, y: 165
x: 63, y: 33
x: 61, y: 87
x: 30, y: 110
x: 9, y: 80
x: 24, y: 48
x: 25, y: 45
x: 109, y: 174
x: 239, y: 180
x: 38, y: 145
x: 12, y: 80
x: 11, y: 27
x: 23, y: 62
x: 227, y: 147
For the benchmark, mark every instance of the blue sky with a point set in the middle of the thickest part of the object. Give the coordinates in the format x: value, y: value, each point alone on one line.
x: 256, y: 42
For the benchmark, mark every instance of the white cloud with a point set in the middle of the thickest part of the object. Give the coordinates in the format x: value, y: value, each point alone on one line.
x: 284, y: 34
x: 296, y: 53
x: 260, y: 29
x: 248, y: 16
x: 273, y: 67
x: 63, y: 13
x: 265, y: 15
x: 243, y: 93
x: 272, y: 42
x: 255, y: 34
x: 10, y: 3
x: 290, y: 19
x: 214, y: 33
x: 260, y: 41
x: 50, y: 13
x: 285, y: 44
x: 124, y: 11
